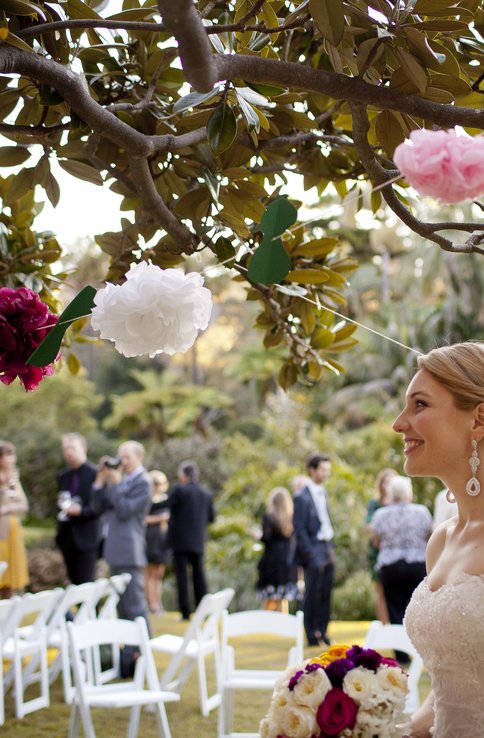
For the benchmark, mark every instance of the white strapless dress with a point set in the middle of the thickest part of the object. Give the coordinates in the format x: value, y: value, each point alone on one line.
x: 447, y: 629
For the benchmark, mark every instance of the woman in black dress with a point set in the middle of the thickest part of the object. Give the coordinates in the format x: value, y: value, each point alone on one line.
x: 157, y: 551
x: 277, y: 574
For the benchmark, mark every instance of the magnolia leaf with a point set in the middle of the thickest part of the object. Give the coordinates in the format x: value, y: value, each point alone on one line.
x: 192, y: 100
x: 19, y: 185
x: 82, y: 171
x: 221, y: 128
x: 270, y: 263
x: 52, y: 189
x: 73, y: 363
x: 317, y: 247
x: 48, y: 350
x: 412, y: 69
x: 134, y: 14
x: 321, y: 338
x: 329, y: 18
x: 253, y: 122
x: 12, y: 156
x: 307, y: 276
x: 280, y: 214
x: 389, y: 131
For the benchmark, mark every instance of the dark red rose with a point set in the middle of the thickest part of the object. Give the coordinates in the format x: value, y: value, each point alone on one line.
x: 335, y: 713
x: 390, y: 662
x: 24, y: 323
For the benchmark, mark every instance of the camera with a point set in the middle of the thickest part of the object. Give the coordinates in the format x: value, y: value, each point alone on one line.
x: 111, y: 462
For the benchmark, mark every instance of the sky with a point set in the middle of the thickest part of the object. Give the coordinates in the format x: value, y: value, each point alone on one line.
x: 83, y: 210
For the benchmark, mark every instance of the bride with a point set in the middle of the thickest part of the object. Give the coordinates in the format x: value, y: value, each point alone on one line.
x: 443, y: 428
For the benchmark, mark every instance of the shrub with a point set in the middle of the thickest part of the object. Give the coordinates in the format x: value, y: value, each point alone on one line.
x: 354, y: 600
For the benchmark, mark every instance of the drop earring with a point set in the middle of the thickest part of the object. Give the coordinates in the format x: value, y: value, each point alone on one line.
x: 449, y: 497
x: 473, y: 486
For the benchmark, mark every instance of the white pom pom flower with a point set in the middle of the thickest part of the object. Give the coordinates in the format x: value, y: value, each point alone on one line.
x: 155, y: 311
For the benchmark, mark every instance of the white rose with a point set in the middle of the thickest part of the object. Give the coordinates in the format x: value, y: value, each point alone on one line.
x: 268, y: 728
x: 312, y: 688
x: 286, y: 675
x: 154, y: 311
x: 359, y: 684
x: 299, y: 722
x: 393, y: 679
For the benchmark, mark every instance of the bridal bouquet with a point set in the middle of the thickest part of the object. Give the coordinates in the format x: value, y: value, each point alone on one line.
x: 347, y: 692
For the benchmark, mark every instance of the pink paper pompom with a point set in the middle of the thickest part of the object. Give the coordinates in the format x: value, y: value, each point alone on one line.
x: 443, y: 164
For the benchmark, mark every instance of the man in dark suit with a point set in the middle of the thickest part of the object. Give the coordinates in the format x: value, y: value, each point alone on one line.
x: 314, y: 549
x: 78, y: 527
x: 191, y: 510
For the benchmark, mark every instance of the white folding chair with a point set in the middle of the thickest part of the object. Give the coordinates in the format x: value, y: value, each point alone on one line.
x: 254, y: 623
x: 30, y: 642
x: 144, y: 689
x: 3, y: 567
x: 108, y: 604
x: 200, y: 641
x: 8, y: 619
x: 78, y: 603
x: 380, y: 636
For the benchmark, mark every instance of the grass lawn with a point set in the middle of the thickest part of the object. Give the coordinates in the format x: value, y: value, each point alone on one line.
x: 184, y: 717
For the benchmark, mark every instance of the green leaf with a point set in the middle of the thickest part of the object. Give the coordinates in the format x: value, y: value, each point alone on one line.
x: 224, y: 249
x: 52, y: 189
x: 134, y: 14
x: 270, y: 263
x: 412, y: 69
x: 22, y: 7
x: 78, y: 9
x: 47, y: 351
x: 329, y: 18
x: 12, y: 156
x: 14, y: 40
x: 389, y: 131
x: 20, y: 184
x: 280, y: 214
x: 307, y: 276
x: 192, y: 100
x: 221, y: 128
x: 82, y: 171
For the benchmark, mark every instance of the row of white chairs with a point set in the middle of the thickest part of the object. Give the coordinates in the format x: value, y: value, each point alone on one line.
x: 95, y: 624
x: 25, y: 647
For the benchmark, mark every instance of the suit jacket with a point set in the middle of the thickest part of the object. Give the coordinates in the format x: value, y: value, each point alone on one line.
x: 126, y: 505
x: 85, y: 529
x: 191, y: 510
x: 306, y: 528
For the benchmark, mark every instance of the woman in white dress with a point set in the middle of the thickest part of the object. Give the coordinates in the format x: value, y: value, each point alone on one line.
x: 443, y: 428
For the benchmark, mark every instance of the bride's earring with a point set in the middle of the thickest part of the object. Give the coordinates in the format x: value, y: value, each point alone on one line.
x: 449, y: 497
x: 473, y: 486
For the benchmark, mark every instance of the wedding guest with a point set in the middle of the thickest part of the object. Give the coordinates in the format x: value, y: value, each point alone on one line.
x: 191, y: 511
x: 13, y: 503
x: 381, y: 486
x: 314, y: 549
x: 442, y: 425
x: 78, y: 525
x: 157, y: 549
x: 276, y: 585
x: 401, y: 530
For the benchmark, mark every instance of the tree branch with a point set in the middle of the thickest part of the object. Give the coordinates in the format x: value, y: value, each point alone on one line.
x: 341, y: 87
x: 181, y: 19
x: 361, y: 126
x: 154, y: 207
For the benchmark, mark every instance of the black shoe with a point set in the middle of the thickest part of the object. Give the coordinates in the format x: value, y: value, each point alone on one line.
x: 312, y: 643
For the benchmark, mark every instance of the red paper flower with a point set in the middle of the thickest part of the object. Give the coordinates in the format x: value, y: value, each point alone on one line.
x: 23, y: 326
x: 336, y: 712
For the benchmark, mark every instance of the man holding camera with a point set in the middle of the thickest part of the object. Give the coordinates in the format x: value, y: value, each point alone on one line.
x: 78, y: 526
x: 123, y: 491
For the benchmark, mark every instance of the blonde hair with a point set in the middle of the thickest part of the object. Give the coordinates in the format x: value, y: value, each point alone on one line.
x: 280, y: 508
x: 400, y: 489
x: 460, y: 369
x: 159, y: 480
x: 382, y: 481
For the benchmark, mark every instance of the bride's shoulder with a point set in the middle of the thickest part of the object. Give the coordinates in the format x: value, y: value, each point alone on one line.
x: 437, y: 541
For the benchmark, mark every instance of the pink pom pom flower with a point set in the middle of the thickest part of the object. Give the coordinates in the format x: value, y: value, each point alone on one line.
x: 24, y: 323
x: 442, y: 164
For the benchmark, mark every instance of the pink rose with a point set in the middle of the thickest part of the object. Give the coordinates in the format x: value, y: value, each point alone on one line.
x: 336, y: 712
x: 23, y: 321
x: 443, y: 164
